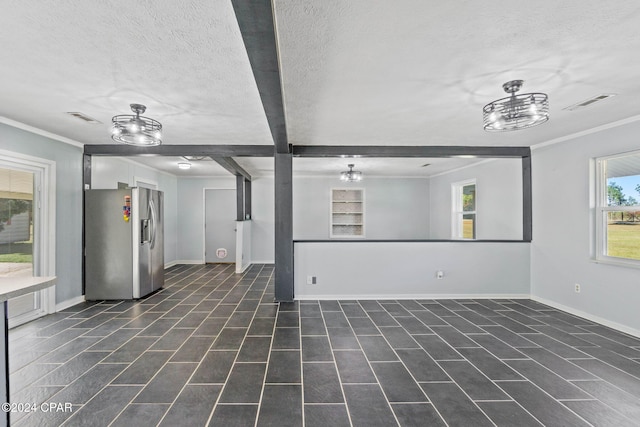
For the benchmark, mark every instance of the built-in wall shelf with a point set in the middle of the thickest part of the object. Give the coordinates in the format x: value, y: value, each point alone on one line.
x: 347, y: 213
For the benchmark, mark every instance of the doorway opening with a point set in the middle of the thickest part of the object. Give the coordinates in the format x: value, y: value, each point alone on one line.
x: 219, y: 225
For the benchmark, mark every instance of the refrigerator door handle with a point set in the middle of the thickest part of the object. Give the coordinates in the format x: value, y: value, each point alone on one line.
x: 152, y: 209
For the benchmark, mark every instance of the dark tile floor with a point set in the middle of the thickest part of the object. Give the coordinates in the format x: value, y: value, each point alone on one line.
x: 213, y: 349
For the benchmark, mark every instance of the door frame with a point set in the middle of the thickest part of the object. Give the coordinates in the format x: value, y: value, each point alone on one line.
x: 204, y: 218
x: 45, y: 228
x: 139, y: 181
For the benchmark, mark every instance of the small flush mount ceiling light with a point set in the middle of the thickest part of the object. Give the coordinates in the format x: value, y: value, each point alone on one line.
x: 184, y: 165
x: 515, y: 111
x: 351, y: 175
x: 135, y: 129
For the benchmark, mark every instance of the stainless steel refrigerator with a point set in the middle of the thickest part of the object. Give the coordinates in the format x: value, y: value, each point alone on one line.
x: 124, y: 243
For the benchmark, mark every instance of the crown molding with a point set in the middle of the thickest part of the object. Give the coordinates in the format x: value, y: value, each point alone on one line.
x: 38, y: 131
x: 596, y: 129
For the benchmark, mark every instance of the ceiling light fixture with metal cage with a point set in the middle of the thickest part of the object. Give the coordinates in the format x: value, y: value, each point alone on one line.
x: 515, y: 111
x: 351, y: 175
x: 135, y: 129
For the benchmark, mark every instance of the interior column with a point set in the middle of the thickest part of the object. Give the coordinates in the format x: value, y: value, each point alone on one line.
x: 283, y: 227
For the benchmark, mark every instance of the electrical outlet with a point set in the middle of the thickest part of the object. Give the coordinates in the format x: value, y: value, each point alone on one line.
x: 577, y: 288
x: 312, y: 280
x: 439, y: 274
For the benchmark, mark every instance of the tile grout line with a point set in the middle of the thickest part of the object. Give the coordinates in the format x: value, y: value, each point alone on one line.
x: 176, y: 351
x: 235, y: 359
x: 48, y: 399
x: 186, y: 289
x: 474, y: 402
x: 266, y: 368
x: 335, y: 364
x: 301, y: 364
x: 367, y: 358
x: 142, y: 386
x: 496, y: 383
x: 160, y: 368
x: 384, y: 310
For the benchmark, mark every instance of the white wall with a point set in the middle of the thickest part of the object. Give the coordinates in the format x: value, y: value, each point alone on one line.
x: 68, y: 160
x: 395, y: 208
x: 190, y: 245
x: 191, y: 214
x: 243, y: 245
x: 561, y: 251
x: 367, y: 270
x: 499, y: 200
x: 106, y: 172
x: 262, y: 220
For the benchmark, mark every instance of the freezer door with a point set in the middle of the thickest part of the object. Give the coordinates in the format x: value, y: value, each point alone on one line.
x: 141, y: 215
x: 150, y: 241
x: 108, y: 246
x: 157, y: 239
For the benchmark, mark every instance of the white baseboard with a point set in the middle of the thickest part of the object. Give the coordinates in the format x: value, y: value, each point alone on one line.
x: 240, y: 270
x: 24, y: 318
x: 183, y: 261
x: 613, y: 325
x: 411, y: 296
x: 69, y: 303
x: 186, y: 261
x: 200, y: 262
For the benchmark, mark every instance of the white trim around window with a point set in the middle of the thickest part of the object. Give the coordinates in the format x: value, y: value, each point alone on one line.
x: 457, y: 210
x: 45, y: 204
x: 604, y: 209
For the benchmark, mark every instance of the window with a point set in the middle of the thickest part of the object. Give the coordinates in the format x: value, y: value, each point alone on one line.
x: 347, y: 213
x: 618, y: 208
x: 464, y: 221
x: 16, y: 219
x: 27, y: 238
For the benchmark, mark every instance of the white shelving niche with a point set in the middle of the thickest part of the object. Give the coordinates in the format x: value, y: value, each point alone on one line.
x: 347, y: 213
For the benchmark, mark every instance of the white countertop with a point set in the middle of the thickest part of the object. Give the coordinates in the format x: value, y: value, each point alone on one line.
x: 11, y: 287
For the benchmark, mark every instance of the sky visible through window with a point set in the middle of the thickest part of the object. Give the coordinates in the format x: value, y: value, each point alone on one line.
x: 628, y: 184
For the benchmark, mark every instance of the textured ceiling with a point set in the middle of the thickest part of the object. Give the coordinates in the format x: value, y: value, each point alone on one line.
x: 314, y: 167
x: 199, y: 168
x: 415, y: 72
x: 184, y: 60
x: 380, y: 167
x: 357, y: 72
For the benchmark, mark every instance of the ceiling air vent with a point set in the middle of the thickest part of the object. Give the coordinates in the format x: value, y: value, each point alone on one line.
x: 589, y: 101
x: 84, y: 117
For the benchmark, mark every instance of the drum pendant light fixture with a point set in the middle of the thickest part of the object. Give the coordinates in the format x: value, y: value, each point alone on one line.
x: 515, y: 111
x: 135, y: 129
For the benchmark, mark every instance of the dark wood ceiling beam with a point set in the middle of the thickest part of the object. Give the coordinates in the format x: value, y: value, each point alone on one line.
x: 256, y: 22
x: 407, y: 151
x: 180, y: 150
x: 305, y: 151
x: 232, y: 166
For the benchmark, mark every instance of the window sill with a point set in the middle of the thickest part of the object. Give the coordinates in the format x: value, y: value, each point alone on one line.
x: 617, y: 262
x: 362, y: 239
